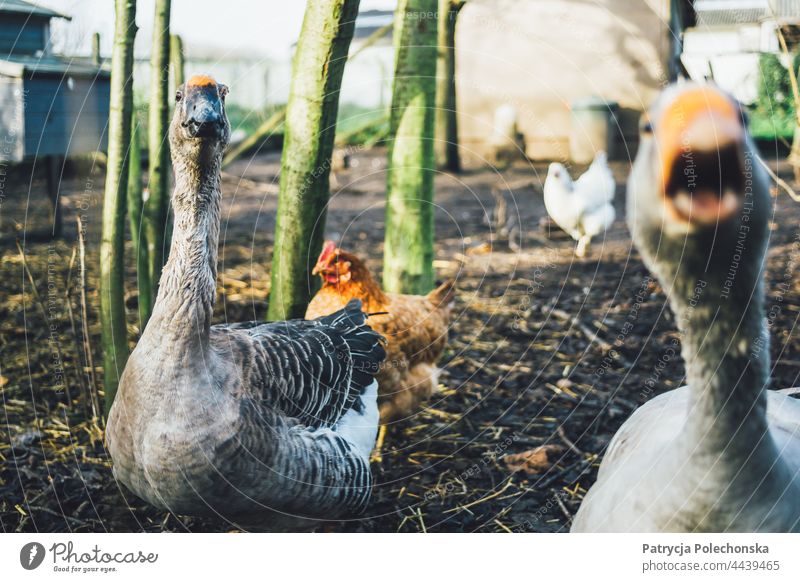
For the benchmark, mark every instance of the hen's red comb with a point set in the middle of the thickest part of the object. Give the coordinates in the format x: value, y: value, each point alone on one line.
x: 328, y: 252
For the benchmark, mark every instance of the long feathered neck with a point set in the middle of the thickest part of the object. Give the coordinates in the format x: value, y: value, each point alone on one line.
x: 718, y: 301
x: 726, y: 350
x: 187, y: 290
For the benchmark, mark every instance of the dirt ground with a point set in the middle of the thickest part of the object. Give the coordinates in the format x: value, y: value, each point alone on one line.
x: 545, y: 351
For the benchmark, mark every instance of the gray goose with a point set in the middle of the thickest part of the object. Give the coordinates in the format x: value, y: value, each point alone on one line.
x: 264, y: 425
x: 723, y: 453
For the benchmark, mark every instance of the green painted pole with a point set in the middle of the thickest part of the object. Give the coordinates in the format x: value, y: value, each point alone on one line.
x: 112, y: 260
x: 408, y: 248
x: 308, y: 144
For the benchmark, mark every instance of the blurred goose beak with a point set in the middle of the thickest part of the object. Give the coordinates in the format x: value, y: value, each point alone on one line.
x: 700, y: 139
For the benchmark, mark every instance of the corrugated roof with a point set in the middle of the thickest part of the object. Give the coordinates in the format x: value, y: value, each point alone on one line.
x: 22, y: 7
x: 785, y: 8
x: 18, y: 66
x: 715, y: 18
x: 369, y: 21
x: 715, y: 13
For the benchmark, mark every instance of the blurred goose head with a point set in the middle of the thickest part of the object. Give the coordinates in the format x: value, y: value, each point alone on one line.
x: 696, y: 189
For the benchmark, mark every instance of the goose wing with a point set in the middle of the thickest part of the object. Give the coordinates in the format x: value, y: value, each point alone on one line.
x: 314, y: 371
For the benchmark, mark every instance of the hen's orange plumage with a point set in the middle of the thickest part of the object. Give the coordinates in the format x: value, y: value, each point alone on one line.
x: 415, y: 327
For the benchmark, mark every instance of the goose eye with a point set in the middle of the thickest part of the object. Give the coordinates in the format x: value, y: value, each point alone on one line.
x: 646, y: 128
x: 178, y: 96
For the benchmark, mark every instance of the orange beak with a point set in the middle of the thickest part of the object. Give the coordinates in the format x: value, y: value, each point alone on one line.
x: 700, y: 139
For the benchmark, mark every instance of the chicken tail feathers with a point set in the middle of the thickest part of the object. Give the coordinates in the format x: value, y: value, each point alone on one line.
x: 444, y: 294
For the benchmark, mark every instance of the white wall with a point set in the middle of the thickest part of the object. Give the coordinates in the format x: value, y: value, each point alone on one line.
x: 539, y: 56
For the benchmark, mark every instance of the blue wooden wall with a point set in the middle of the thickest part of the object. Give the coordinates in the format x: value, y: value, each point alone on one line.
x: 65, y: 117
x: 21, y: 35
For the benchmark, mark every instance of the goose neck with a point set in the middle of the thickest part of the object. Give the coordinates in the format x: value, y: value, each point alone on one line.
x: 187, y: 290
x: 726, y: 349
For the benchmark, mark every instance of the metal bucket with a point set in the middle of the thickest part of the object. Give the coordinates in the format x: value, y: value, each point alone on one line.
x: 593, y: 120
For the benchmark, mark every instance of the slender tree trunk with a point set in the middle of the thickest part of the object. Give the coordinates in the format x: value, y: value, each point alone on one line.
x: 157, y: 205
x: 112, y: 264
x: 794, y: 72
x: 176, y: 60
x: 308, y: 143
x: 135, y: 209
x: 408, y: 250
x: 446, y: 115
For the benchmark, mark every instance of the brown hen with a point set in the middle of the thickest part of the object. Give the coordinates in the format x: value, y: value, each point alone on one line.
x: 415, y: 327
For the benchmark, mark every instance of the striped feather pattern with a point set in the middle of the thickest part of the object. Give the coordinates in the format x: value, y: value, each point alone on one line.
x: 313, y: 371
x: 264, y: 451
x: 264, y: 425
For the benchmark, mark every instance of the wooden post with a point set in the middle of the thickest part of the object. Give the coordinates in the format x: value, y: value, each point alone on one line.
x: 157, y: 205
x: 176, y: 59
x: 308, y: 143
x: 112, y: 263
x: 446, y: 145
x: 677, y: 25
x: 408, y: 249
x: 138, y: 237
x: 96, y: 49
x: 55, y: 167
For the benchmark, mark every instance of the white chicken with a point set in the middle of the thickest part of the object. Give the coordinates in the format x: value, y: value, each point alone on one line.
x: 583, y: 208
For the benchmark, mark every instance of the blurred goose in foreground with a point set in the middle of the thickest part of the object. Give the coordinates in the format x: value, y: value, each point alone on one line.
x: 583, y: 209
x: 269, y: 425
x: 723, y: 453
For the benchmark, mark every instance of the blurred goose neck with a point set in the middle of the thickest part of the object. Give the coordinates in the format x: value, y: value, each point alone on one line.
x: 726, y: 351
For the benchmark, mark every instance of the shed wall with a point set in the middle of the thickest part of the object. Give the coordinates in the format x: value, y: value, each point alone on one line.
x: 65, y: 115
x: 21, y: 34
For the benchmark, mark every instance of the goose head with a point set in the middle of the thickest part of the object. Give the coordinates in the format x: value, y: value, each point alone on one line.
x: 200, y: 127
x: 696, y: 194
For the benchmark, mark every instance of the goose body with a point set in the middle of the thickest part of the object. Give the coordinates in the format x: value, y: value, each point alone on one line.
x: 265, y: 425
x: 655, y: 478
x: 721, y: 454
x: 584, y: 208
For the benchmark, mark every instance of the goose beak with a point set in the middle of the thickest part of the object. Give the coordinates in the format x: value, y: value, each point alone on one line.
x: 700, y: 140
x: 203, y: 117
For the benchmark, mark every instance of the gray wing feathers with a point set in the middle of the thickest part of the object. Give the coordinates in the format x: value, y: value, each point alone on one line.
x: 313, y: 371
x: 302, y: 472
x: 307, y: 417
